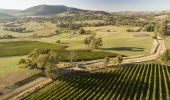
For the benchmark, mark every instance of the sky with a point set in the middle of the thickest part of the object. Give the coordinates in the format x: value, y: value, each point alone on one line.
x: 105, y: 5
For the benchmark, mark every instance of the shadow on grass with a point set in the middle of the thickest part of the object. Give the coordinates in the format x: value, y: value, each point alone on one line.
x: 134, y: 49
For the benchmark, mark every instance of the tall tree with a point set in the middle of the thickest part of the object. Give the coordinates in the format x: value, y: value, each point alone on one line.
x: 106, y: 61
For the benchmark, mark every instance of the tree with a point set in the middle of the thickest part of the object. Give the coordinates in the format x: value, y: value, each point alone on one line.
x: 51, y: 72
x: 119, y: 59
x: 106, y: 61
x: 72, y: 56
x: 93, y: 42
x: 44, y: 60
x: 82, y: 31
x: 149, y: 28
x: 165, y: 57
x: 99, y: 42
x: 87, y: 41
x: 50, y: 62
x: 96, y: 43
x: 22, y: 63
x: 37, y: 59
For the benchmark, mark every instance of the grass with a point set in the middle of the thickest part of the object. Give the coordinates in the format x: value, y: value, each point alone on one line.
x: 9, y: 65
x: 87, y: 55
x: 131, y: 44
x: 167, y: 42
x: 18, y: 48
x: 128, y: 46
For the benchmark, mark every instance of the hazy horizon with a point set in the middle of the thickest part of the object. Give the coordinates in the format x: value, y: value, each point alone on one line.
x: 102, y: 5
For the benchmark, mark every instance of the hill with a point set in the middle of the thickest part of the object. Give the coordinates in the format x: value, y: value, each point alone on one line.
x: 5, y: 15
x: 58, y: 10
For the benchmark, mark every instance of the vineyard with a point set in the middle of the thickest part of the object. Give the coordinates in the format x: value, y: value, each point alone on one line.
x: 142, y: 81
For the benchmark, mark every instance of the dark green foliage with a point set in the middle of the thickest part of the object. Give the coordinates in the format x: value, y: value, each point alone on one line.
x: 166, y: 56
x: 58, y: 41
x: 149, y: 28
x: 135, y: 82
x: 84, y: 32
x: 86, y: 55
x: 119, y: 58
x: 18, y: 48
x: 40, y: 59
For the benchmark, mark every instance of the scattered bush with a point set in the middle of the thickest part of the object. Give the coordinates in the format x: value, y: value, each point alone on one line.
x: 7, y: 37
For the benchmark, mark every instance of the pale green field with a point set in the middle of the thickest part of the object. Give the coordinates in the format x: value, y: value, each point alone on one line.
x: 9, y: 65
x: 167, y: 42
x: 130, y: 44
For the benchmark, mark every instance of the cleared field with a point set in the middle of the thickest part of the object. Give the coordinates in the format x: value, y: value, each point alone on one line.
x: 17, y: 48
x: 167, y: 41
x: 143, y: 81
x: 9, y: 65
x: 135, y: 43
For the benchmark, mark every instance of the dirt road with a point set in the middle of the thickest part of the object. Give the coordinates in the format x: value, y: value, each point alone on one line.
x: 23, y: 88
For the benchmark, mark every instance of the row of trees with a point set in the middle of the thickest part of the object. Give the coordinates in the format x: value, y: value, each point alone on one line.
x: 117, y: 60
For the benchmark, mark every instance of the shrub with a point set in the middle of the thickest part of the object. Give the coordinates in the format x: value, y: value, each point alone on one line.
x: 58, y: 41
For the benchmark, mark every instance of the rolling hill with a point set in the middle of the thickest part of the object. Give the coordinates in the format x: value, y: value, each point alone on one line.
x: 5, y: 15
x: 48, y: 10
x: 51, y: 10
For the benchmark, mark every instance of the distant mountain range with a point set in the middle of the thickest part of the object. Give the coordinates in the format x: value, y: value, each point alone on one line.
x: 49, y: 10
x: 56, y: 10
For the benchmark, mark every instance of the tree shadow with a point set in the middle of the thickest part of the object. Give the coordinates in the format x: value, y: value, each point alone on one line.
x: 134, y: 49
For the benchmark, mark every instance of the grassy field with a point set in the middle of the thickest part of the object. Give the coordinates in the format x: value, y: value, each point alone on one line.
x: 134, y: 82
x: 17, y: 48
x: 127, y: 43
x: 167, y: 42
x: 9, y: 65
